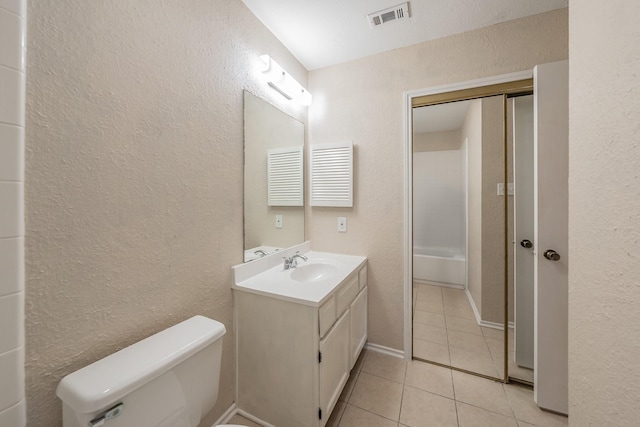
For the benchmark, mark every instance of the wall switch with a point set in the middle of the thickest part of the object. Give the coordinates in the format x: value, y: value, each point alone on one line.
x: 342, y: 224
x: 510, y: 189
x: 278, y: 221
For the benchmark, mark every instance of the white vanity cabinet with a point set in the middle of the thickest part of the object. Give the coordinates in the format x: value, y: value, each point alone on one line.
x: 294, y: 356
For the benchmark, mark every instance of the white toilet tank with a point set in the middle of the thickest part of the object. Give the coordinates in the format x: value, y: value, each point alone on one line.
x: 167, y: 380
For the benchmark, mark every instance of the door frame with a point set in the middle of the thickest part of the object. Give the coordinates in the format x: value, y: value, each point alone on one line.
x: 408, y: 183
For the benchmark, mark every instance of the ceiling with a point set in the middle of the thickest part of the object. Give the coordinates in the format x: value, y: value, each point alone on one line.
x: 440, y: 118
x: 321, y: 33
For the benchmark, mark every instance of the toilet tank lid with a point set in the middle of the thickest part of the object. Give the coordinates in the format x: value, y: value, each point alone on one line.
x: 102, y: 383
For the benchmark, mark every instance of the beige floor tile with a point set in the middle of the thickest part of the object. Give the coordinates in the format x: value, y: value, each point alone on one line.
x: 453, y: 292
x: 377, y: 395
x: 433, y: 319
x: 471, y: 416
x: 349, y: 386
x: 426, y: 332
x: 518, y: 372
x: 523, y: 424
x: 515, y: 371
x: 431, y: 378
x: 429, y: 305
x: 497, y: 334
x: 474, y: 362
x: 429, y: 297
x: 429, y: 290
x: 421, y: 408
x: 525, y: 409
x: 459, y: 311
x: 356, y: 417
x: 382, y: 365
x: 238, y: 419
x: 461, y: 324
x: 481, y: 392
x: 457, y: 302
x: 468, y: 342
x: 496, y: 347
x: 336, y: 414
x: 431, y: 351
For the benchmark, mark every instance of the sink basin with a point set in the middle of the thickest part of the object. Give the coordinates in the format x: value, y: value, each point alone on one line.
x: 313, y: 272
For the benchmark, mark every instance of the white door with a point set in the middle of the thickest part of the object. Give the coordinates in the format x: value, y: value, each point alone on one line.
x: 551, y: 123
x: 523, y: 232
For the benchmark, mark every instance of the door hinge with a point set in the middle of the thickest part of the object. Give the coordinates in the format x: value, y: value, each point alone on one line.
x: 319, y: 413
x: 319, y: 357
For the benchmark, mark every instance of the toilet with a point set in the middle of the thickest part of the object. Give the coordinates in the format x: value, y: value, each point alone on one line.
x: 169, y: 379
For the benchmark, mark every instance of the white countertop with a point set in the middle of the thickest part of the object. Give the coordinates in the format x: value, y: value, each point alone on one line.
x: 274, y: 280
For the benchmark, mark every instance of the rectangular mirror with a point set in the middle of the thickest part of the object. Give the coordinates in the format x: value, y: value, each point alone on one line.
x: 268, y: 229
x: 459, y: 235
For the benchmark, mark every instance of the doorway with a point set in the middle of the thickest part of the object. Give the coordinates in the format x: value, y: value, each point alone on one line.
x: 462, y: 320
x: 549, y: 97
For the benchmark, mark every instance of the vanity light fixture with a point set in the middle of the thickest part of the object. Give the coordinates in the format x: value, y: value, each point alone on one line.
x: 282, y: 81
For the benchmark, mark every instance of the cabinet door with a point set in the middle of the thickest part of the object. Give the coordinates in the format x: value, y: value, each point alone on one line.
x: 358, y: 320
x: 334, y: 367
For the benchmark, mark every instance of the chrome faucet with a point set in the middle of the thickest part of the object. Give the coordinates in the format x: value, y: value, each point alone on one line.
x: 292, y: 261
x: 261, y: 253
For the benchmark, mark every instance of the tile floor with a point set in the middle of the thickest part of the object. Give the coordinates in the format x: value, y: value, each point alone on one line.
x: 445, y: 331
x: 385, y: 391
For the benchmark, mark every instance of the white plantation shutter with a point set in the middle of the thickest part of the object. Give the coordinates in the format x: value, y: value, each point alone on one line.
x: 285, y: 177
x: 331, y: 174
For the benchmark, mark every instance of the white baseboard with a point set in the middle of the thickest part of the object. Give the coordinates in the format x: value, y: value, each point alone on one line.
x: 385, y: 350
x: 228, y: 414
x: 254, y: 419
x: 233, y: 411
x: 481, y: 322
x: 441, y: 284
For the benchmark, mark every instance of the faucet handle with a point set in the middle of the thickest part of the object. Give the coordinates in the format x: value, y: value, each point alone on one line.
x: 287, y: 262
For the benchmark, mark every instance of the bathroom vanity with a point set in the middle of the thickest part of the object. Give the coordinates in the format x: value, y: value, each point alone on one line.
x: 299, y: 332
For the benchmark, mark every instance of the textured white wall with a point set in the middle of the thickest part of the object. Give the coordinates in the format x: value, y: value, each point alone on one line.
x: 134, y: 168
x: 12, y: 87
x: 362, y: 101
x: 604, y: 213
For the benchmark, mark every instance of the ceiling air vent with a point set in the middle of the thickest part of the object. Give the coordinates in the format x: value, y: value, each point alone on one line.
x: 380, y: 17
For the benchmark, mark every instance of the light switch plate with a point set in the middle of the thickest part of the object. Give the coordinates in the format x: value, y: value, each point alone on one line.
x: 342, y: 224
x: 510, y: 189
x: 278, y: 221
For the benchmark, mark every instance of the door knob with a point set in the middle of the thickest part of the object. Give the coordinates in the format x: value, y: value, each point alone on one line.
x: 526, y: 244
x: 551, y: 255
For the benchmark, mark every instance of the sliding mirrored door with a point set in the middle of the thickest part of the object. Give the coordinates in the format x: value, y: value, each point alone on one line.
x: 459, y: 234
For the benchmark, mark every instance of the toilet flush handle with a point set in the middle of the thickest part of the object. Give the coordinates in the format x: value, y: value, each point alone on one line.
x: 112, y: 412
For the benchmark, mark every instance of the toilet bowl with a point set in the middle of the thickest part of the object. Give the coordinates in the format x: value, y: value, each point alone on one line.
x: 169, y: 379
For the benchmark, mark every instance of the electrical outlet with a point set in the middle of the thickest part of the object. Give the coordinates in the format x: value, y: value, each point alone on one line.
x: 342, y: 224
x: 278, y: 221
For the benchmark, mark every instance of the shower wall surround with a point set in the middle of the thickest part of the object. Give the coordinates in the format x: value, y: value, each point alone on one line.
x: 12, y: 90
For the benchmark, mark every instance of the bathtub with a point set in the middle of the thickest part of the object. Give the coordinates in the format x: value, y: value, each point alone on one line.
x: 439, y: 265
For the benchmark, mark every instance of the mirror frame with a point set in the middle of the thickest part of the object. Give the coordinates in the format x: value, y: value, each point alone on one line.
x: 512, y: 84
